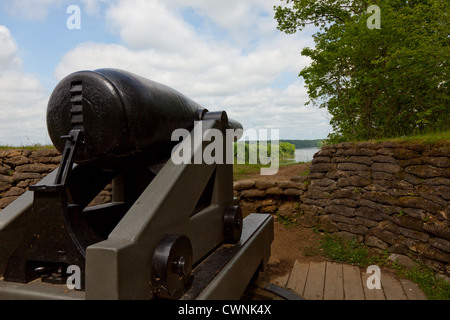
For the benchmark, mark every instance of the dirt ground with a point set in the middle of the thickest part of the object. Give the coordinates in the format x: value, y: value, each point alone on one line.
x: 289, y: 244
x: 284, y: 173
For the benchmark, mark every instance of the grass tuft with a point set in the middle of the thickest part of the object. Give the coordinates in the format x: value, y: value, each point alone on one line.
x: 350, y: 251
x: 33, y: 147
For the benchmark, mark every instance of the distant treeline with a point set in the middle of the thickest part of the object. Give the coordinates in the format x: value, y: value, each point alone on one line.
x: 305, y: 143
x: 261, y: 151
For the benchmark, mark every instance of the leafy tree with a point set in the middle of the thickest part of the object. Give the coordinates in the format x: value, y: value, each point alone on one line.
x: 254, y: 152
x: 375, y: 83
x: 287, y: 150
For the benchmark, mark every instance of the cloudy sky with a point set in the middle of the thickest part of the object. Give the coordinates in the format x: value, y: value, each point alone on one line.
x: 225, y: 55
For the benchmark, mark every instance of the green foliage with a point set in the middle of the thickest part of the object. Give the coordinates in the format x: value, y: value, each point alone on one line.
x: 346, y: 250
x: 376, y: 83
x: 287, y: 150
x: 290, y: 221
x: 435, y: 288
x: 350, y: 251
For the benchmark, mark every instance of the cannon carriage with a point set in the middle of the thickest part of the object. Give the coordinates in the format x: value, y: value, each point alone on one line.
x: 172, y: 230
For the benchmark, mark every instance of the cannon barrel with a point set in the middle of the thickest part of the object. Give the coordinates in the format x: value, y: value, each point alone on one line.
x: 121, y: 115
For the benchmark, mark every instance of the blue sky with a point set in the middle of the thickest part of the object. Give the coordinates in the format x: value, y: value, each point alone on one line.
x: 44, y: 38
x: 226, y: 55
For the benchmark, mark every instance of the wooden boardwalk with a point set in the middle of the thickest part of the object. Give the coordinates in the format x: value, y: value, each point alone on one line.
x: 335, y: 281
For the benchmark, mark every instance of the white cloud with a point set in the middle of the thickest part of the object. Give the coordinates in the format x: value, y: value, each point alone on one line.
x: 282, y: 109
x: 37, y: 10
x: 231, y: 69
x: 150, y: 24
x: 23, y: 99
x: 161, y: 45
x: 226, y: 55
x: 214, y: 70
x: 92, y: 7
x: 30, y: 9
x: 243, y: 21
x: 8, y: 53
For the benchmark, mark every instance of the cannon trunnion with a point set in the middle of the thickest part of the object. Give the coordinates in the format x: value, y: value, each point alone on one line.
x: 172, y: 230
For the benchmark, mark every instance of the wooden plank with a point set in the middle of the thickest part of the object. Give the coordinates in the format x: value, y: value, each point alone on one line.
x: 353, y: 289
x: 334, y: 285
x: 371, y: 294
x: 412, y: 290
x: 297, y: 278
x: 393, y: 290
x: 315, y: 281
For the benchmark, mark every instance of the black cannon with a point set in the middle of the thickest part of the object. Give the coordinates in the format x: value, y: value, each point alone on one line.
x: 122, y: 115
x: 172, y: 230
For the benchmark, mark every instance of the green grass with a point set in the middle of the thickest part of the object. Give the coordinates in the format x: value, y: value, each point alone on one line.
x: 290, y: 221
x: 435, y: 288
x: 305, y: 173
x: 350, y: 251
x: 427, y: 138
x: 240, y: 171
x: 32, y: 147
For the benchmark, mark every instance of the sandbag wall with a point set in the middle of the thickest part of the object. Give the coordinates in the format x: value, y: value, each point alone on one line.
x: 20, y: 168
x: 390, y: 195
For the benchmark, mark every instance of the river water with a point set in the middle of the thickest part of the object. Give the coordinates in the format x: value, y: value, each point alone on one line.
x: 301, y: 155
